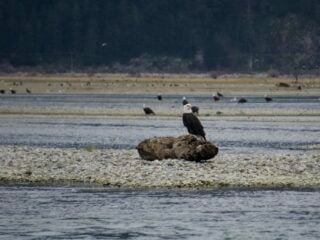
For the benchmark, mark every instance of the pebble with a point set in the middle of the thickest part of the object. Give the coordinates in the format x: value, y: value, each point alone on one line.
x: 124, y: 168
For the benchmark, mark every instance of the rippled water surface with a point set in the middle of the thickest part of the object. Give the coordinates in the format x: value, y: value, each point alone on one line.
x: 96, y: 213
x: 136, y: 100
x: 100, y: 213
x: 230, y: 134
x: 248, y: 135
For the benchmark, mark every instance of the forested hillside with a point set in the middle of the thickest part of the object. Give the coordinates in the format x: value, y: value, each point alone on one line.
x: 161, y: 35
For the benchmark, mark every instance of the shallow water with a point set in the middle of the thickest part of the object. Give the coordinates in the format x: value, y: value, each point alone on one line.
x: 231, y: 135
x: 137, y: 100
x: 97, y: 213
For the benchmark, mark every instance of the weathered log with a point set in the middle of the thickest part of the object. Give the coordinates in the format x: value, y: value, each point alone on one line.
x: 186, y: 147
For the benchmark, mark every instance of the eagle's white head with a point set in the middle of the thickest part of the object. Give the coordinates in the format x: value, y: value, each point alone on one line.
x: 187, y: 108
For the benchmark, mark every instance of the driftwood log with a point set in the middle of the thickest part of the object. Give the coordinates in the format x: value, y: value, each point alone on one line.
x: 186, y: 147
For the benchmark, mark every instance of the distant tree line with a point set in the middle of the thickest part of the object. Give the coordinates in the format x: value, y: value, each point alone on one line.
x: 161, y: 35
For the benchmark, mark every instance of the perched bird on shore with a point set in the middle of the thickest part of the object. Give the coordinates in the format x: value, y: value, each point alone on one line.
x: 28, y: 90
x: 195, y: 109
x: 191, y: 122
x: 242, y: 100
x: 184, y: 101
x: 2, y: 91
x: 219, y: 94
x: 215, y: 98
x: 267, y: 98
x: 159, y: 97
x: 147, y: 110
x: 13, y: 91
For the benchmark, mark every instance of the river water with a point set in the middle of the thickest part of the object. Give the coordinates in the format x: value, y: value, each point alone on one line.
x: 231, y: 134
x: 137, y: 100
x: 65, y: 212
x: 99, y: 213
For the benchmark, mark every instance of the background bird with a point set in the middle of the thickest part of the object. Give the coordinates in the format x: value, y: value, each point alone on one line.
x: 159, y: 97
x: 215, y: 98
x: 147, y: 110
x: 219, y: 94
x: 194, y: 109
x: 242, y: 100
x: 184, y: 101
x: 267, y: 98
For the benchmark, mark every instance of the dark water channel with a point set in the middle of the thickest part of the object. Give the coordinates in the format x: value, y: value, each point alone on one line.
x: 96, y: 213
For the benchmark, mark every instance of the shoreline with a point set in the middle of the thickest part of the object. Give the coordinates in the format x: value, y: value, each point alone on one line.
x: 73, y: 185
x: 125, y: 169
x: 233, y: 84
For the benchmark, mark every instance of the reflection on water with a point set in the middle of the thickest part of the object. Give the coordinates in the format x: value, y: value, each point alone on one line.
x: 95, y: 213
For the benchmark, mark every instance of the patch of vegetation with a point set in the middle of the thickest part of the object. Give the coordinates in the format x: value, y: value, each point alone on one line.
x: 89, y: 148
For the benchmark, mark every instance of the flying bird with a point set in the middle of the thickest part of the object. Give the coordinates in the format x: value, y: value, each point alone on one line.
x: 147, y: 110
x: 191, y: 122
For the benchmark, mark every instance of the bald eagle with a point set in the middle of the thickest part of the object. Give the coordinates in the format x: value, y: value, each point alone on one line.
x: 242, y: 100
x: 215, y: 98
x: 267, y: 98
x: 192, y: 123
x: 147, y: 110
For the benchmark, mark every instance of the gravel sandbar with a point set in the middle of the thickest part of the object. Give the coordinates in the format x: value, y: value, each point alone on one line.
x: 124, y: 168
